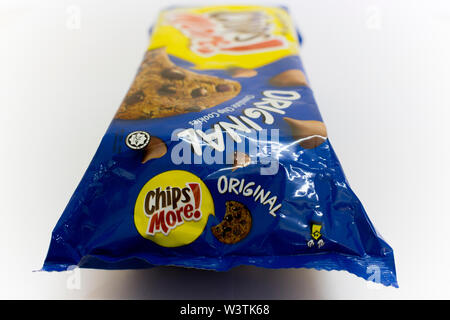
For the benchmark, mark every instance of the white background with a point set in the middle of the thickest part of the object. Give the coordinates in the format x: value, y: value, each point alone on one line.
x: 381, y: 75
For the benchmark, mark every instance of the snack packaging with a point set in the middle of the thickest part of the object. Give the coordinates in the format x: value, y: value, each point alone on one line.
x: 218, y: 157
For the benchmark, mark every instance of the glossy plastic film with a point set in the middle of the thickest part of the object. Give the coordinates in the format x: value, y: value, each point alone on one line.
x: 218, y: 157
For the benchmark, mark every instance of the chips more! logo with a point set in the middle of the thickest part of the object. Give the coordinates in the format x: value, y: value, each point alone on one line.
x: 168, y: 208
x: 227, y: 32
x: 172, y: 208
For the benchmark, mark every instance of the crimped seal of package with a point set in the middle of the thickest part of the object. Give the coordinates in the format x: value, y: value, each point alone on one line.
x: 218, y: 157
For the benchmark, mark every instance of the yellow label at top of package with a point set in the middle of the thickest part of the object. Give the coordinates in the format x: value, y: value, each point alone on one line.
x: 220, y: 37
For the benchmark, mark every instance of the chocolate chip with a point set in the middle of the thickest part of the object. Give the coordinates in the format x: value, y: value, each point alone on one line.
x: 236, y: 232
x: 199, y: 92
x: 241, y: 160
x: 173, y: 74
x: 167, y: 89
x: 229, y: 218
x: 242, y: 73
x: 136, y: 97
x: 225, y: 231
x: 289, y: 78
x: 223, y: 87
x: 155, y: 149
x: 238, y: 215
x: 309, y: 133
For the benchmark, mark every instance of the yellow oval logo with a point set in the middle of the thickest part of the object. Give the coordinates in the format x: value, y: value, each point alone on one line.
x: 172, y: 208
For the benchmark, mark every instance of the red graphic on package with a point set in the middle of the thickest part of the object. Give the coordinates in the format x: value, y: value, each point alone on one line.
x: 227, y: 32
x: 170, y: 207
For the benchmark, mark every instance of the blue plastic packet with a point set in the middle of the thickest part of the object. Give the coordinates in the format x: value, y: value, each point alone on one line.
x: 218, y: 157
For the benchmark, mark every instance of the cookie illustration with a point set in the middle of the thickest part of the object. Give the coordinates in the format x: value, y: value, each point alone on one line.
x: 236, y: 223
x: 310, y: 133
x: 163, y: 89
x: 289, y: 78
x: 155, y: 149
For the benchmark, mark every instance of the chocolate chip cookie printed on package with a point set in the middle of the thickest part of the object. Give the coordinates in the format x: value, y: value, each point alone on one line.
x: 218, y: 157
x: 236, y: 223
x: 163, y: 89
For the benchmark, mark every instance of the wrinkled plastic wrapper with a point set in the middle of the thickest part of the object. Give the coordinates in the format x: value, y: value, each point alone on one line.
x: 218, y: 157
